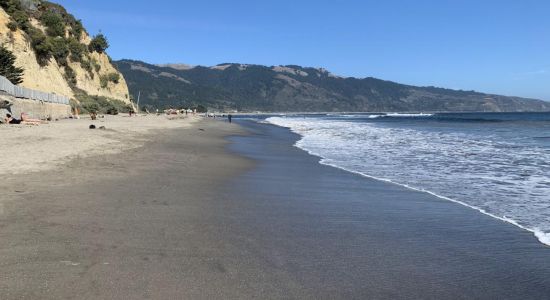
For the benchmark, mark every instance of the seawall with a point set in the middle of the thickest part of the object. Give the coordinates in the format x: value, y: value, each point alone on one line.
x: 37, y: 109
x: 37, y: 104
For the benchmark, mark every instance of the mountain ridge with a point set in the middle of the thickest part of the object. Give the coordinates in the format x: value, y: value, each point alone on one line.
x: 250, y: 87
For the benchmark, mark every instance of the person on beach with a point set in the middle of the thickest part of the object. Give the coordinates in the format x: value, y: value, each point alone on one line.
x: 229, y: 117
x: 24, y: 120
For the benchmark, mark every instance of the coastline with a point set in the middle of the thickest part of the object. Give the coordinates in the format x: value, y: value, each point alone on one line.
x: 419, y: 187
x: 349, y: 236
x: 235, y: 211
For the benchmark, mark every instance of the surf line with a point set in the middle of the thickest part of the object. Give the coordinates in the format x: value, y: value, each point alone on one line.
x: 543, y: 237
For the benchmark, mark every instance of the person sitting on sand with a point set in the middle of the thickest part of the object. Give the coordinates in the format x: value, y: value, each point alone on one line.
x: 24, y: 120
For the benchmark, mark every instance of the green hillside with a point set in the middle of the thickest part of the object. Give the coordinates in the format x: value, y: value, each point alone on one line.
x: 294, y: 88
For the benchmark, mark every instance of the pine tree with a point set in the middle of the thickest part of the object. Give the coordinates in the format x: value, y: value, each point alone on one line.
x: 8, y: 68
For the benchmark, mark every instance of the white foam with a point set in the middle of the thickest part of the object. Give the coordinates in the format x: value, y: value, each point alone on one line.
x: 477, y: 170
x: 408, y: 115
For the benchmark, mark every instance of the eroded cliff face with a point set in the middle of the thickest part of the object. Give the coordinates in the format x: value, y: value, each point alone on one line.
x: 48, y: 78
x: 51, y: 76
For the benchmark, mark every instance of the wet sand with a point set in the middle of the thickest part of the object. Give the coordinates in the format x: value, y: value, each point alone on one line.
x: 191, y: 216
x: 343, y: 236
x: 145, y: 223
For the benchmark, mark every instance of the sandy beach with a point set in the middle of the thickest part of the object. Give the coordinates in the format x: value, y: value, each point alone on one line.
x: 28, y: 148
x: 131, y: 225
x: 212, y: 210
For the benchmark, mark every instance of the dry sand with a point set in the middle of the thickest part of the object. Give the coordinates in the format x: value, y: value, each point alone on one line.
x: 27, y: 148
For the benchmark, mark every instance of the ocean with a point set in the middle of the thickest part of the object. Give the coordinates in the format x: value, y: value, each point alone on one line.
x: 495, y: 163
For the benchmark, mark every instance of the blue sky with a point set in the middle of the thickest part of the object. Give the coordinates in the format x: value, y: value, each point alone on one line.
x: 486, y: 45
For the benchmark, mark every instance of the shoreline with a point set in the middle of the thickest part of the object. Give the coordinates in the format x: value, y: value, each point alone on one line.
x: 232, y: 211
x: 542, y: 237
x: 379, y: 239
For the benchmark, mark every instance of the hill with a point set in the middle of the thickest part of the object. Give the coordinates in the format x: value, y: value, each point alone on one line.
x: 57, y: 54
x: 294, y: 88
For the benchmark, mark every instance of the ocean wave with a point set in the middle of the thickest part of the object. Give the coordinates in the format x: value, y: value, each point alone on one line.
x: 539, y: 234
x: 405, y: 115
x: 467, y: 170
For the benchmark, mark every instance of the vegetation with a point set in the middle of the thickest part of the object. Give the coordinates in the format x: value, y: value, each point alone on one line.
x: 111, y: 77
x: 254, y: 87
x: 8, y: 68
x: 19, y: 17
x: 12, y: 25
x: 77, y: 49
x: 95, y: 64
x: 62, y: 40
x: 55, y: 25
x: 86, y: 65
x: 54, y: 15
x: 63, y: 33
x: 103, y: 81
x: 41, y: 45
x: 98, y: 44
x: 70, y: 76
x: 77, y: 29
x: 59, y: 50
x: 99, y: 104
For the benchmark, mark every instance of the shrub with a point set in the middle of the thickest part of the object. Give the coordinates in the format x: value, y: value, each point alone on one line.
x: 17, y: 13
x: 98, y: 44
x: 114, y: 77
x: 100, y: 104
x: 60, y: 50
x: 103, y: 81
x: 77, y: 29
x: 10, y: 5
x: 91, y: 107
x: 8, y: 68
x: 70, y: 76
x: 22, y: 19
x: 12, y: 25
x: 111, y: 110
x: 86, y: 65
x: 111, y: 77
x: 77, y: 49
x: 95, y: 64
x: 41, y: 45
x: 55, y: 25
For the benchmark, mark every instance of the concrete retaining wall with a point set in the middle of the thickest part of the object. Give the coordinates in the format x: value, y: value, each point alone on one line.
x: 37, y: 104
x: 39, y: 110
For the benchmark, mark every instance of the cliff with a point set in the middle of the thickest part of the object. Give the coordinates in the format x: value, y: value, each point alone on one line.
x: 62, y: 63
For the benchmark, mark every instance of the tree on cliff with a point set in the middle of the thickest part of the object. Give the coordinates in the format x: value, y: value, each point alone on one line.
x: 8, y: 68
x: 99, y: 43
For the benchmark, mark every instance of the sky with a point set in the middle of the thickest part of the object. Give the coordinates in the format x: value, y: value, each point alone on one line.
x: 491, y: 46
